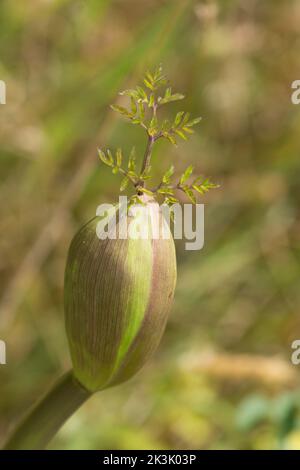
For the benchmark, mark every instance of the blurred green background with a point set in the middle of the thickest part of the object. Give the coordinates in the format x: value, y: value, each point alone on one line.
x: 222, y: 377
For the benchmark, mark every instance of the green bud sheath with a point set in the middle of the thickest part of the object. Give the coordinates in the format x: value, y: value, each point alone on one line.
x: 118, y: 293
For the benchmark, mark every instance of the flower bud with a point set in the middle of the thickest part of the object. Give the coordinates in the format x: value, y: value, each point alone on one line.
x: 118, y: 293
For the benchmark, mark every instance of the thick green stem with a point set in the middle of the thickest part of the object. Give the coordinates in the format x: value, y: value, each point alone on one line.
x: 48, y: 415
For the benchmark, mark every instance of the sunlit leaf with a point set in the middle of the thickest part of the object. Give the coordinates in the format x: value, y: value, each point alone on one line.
x: 120, y: 109
x: 167, y: 176
x: 181, y: 134
x: 131, y: 160
x: 124, y: 183
x: 190, y: 194
x: 133, y: 106
x: 148, y: 84
x: 119, y: 157
x: 151, y: 100
x: 170, y: 137
x: 106, y: 158
x: 185, y: 176
x: 193, y: 122
x: 146, y: 191
x: 178, y: 118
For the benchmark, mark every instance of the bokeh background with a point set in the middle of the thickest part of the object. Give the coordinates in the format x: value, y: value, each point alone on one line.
x: 222, y: 377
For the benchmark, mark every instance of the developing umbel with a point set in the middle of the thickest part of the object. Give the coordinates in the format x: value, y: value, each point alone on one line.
x: 118, y: 293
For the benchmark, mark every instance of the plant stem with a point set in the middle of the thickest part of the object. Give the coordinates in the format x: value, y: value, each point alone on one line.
x: 147, y: 156
x: 148, y: 151
x: 48, y: 415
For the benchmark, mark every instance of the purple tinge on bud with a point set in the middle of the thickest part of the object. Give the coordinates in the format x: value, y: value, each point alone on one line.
x: 118, y: 294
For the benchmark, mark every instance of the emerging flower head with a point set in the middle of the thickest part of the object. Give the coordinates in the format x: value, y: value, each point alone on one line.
x: 118, y: 293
